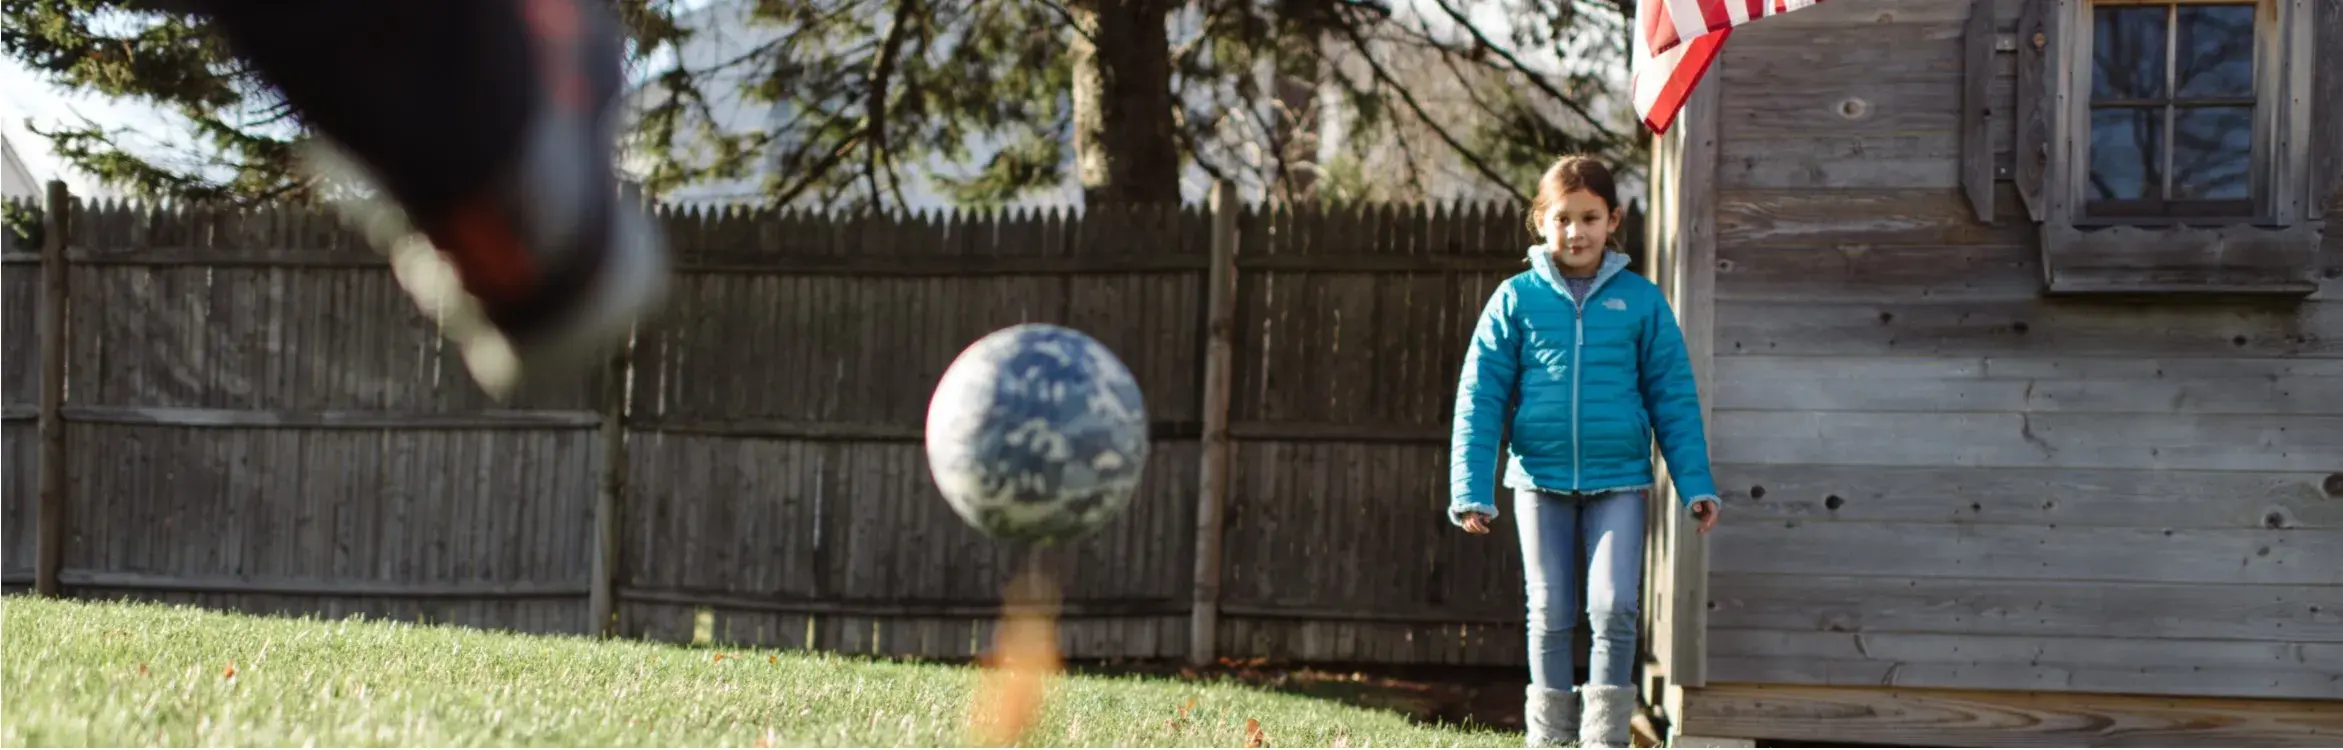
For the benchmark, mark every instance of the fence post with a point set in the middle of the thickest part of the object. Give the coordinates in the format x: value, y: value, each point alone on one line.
x: 1213, y: 480
x: 49, y: 549
x: 617, y: 387
x: 602, y: 597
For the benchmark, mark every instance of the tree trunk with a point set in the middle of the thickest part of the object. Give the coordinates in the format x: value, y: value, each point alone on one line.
x: 1125, y: 148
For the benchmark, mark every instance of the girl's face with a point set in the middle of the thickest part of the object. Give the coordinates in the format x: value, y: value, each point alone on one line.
x: 1577, y: 228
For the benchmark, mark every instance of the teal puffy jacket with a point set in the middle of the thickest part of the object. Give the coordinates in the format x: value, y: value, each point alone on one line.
x: 1581, y: 385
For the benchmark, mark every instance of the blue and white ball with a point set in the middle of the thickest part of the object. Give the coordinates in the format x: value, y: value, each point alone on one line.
x: 1037, y: 433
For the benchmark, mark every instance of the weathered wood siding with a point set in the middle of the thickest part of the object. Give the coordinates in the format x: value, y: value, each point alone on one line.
x: 20, y: 384
x: 1342, y: 440
x: 1935, y: 476
x: 254, y: 407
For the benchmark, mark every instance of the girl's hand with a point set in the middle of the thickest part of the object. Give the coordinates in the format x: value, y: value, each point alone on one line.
x: 1476, y: 523
x: 1706, y: 511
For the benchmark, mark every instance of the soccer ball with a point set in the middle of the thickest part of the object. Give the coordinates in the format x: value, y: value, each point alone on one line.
x: 1037, y: 433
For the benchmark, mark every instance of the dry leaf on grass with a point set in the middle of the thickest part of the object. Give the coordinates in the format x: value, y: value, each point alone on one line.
x: 1253, y: 735
x: 1180, y: 721
x: 229, y: 673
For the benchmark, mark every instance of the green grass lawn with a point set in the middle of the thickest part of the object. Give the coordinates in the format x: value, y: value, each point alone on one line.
x: 82, y: 673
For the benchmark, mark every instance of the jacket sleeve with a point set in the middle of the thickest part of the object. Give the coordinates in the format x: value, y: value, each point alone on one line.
x: 1484, y: 393
x: 1672, y: 397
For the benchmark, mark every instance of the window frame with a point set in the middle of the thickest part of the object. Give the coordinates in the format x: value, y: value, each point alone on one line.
x: 2271, y: 249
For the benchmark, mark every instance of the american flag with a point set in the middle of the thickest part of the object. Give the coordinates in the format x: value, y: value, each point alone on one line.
x: 1676, y: 40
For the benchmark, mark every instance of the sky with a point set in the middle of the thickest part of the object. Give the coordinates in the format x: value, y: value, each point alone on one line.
x: 27, y: 96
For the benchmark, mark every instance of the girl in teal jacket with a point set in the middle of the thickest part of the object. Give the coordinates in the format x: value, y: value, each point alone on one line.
x: 1579, y: 365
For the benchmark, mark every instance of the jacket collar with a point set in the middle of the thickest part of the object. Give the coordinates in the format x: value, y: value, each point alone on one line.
x: 1543, y: 261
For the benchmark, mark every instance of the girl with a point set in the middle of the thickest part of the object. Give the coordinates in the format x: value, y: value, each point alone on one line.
x: 1585, y: 365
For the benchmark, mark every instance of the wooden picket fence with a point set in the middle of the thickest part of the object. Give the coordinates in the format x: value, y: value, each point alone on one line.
x: 239, y: 409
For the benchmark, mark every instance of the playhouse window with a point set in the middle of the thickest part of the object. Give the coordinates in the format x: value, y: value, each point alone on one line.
x: 2172, y: 110
x: 2180, y: 160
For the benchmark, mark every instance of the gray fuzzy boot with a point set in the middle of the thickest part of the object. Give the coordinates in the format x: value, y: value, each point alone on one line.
x: 1608, y: 710
x: 1552, y: 716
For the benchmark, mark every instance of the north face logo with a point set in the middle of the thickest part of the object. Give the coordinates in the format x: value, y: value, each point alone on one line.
x: 1615, y: 303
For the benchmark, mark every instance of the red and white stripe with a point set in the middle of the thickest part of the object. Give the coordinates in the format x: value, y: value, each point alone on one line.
x: 1676, y: 42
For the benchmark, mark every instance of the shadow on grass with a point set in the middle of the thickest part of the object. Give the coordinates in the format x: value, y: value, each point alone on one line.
x: 1475, y: 697
x: 1487, y: 698
x: 1470, y: 697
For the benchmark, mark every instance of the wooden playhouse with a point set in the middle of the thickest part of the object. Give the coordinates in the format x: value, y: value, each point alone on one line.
x: 2021, y: 334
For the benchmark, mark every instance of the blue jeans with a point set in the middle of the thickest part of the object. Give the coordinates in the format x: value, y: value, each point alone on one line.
x: 1552, y: 528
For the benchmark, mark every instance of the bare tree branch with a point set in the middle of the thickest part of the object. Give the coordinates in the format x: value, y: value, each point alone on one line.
x: 1409, y: 97
x: 1195, y: 150
x: 875, y: 97
x: 812, y: 174
x: 1515, y: 62
x: 1067, y: 16
x: 1276, y: 145
x: 1465, y: 82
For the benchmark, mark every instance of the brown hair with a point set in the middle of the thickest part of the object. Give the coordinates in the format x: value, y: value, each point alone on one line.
x: 1573, y: 172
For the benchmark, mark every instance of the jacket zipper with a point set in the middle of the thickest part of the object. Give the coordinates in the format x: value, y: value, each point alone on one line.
x: 1577, y: 345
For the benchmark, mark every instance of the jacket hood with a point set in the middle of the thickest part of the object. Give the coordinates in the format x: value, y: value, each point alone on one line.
x: 1542, y: 260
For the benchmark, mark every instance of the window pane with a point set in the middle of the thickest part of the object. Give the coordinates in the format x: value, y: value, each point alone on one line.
x: 2216, y: 50
x: 2127, y: 52
x: 2212, y: 153
x: 2124, y: 147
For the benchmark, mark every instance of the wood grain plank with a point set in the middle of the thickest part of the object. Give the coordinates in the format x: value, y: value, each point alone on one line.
x: 2032, y: 552
x: 1964, y: 384
x: 2032, y: 150
x: 2326, y: 143
x: 1947, y: 602
x: 20, y: 297
x: 1979, y: 110
x: 1826, y: 16
x: 2175, y: 667
x: 1878, y: 78
x: 2207, y: 442
x: 2065, y: 497
x: 53, y: 519
x: 2230, y: 258
x: 19, y: 480
x: 2030, y: 327
x: 1213, y: 463
x: 1824, y: 159
x: 1684, y: 574
x: 82, y: 578
x: 1939, y: 718
x: 330, y: 418
x: 1878, y: 273
x: 1782, y: 217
